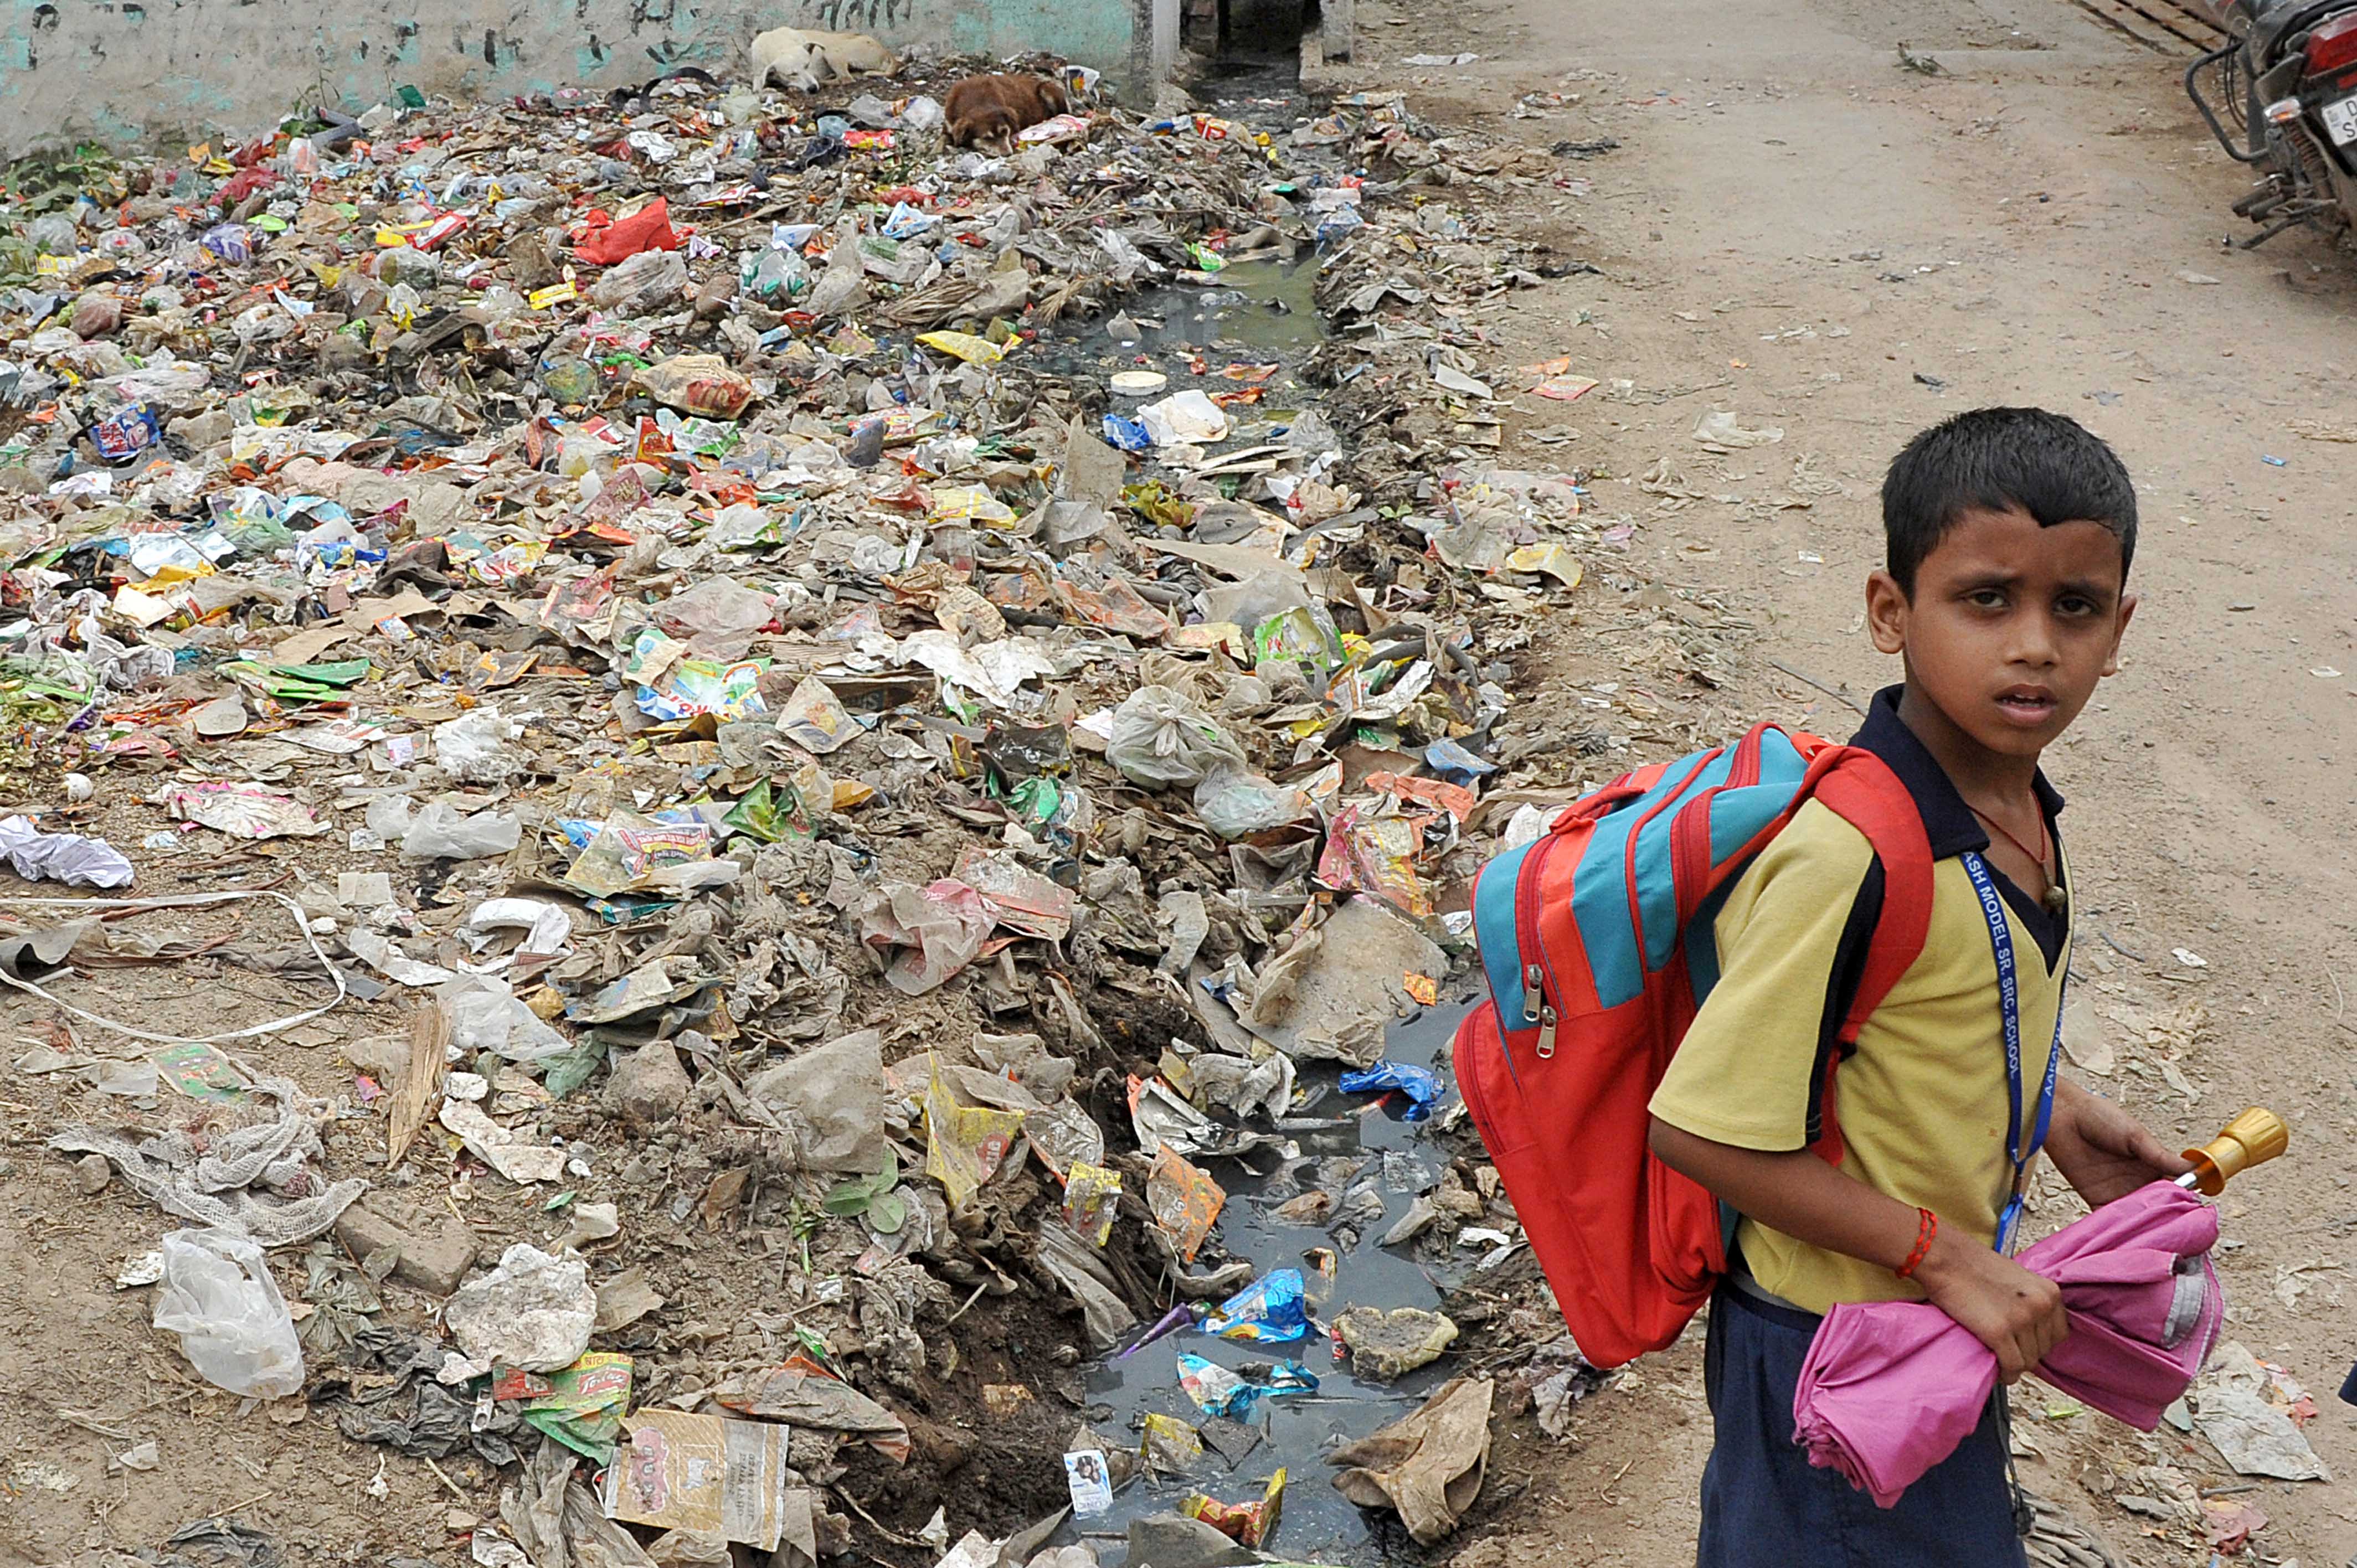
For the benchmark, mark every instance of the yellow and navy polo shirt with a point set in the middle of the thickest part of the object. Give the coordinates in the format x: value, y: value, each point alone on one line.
x: 1923, y: 1100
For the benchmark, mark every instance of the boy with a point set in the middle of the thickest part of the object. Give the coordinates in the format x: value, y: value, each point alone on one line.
x: 2009, y: 532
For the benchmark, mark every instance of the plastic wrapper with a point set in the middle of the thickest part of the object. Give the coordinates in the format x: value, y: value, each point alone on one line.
x: 1266, y: 1312
x: 815, y: 719
x: 1090, y: 1481
x: 1091, y: 1196
x: 631, y: 853
x: 1170, y: 1445
x: 244, y: 810
x: 1185, y: 1201
x: 703, y: 384
x: 706, y: 1474
x: 1375, y: 854
x: 1421, y: 1085
x: 1018, y: 899
x: 581, y: 1405
x: 218, y: 1297
x: 693, y: 687
x: 965, y: 1146
x: 1160, y: 739
x: 1248, y: 1524
x: 1216, y: 1391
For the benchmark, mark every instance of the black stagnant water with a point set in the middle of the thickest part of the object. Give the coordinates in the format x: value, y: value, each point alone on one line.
x: 1316, y: 1524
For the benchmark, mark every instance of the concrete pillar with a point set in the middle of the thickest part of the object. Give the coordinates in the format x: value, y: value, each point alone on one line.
x: 1337, y: 25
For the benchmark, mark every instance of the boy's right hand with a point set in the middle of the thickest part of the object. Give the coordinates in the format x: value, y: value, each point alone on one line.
x: 2017, y: 1314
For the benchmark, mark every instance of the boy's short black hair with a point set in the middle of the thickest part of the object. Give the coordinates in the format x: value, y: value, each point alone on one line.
x: 2050, y: 466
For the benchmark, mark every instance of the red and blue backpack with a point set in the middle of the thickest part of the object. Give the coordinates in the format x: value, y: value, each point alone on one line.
x: 1598, y: 943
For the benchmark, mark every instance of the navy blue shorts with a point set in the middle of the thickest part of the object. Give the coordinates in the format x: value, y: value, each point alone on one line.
x: 1765, y: 1505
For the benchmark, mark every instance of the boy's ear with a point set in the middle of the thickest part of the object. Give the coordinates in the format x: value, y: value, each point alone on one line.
x: 2119, y: 633
x: 1886, y: 614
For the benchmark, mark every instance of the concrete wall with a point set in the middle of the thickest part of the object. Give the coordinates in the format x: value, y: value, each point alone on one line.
x: 129, y: 71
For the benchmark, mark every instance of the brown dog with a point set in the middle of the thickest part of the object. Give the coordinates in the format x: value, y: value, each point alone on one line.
x: 985, y: 111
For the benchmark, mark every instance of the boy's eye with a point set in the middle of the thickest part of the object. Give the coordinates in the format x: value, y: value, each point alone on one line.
x: 1986, y: 598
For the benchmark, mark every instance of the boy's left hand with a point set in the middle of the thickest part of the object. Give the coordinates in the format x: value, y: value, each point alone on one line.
x: 2102, y: 1150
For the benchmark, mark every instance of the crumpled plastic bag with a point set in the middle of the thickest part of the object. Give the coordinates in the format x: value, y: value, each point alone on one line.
x: 478, y: 747
x: 485, y: 1016
x: 648, y: 228
x: 832, y: 1100
x: 1428, y: 1465
x: 1236, y: 804
x: 1161, y: 740
x: 533, y: 1312
x: 218, y: 1297
x: 936, y: 929
x: 1104, y: 1314
x: 1717, y: 432
x: 69, y: 858
x: 1184, y: 418
x: 442, y: 831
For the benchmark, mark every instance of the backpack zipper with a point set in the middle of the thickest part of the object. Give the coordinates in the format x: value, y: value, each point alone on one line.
x: 1527, y: 931
x: 1534, y: 980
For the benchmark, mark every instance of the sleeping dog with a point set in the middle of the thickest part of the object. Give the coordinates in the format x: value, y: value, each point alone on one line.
x: 800, y: 60
x: 985, y: 111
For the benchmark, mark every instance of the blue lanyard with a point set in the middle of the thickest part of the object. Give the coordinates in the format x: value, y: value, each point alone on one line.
x: 2009, y: 993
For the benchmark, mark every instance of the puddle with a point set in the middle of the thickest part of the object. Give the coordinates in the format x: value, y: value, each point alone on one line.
x: 1267, y: 306
x: 1316, y: 1525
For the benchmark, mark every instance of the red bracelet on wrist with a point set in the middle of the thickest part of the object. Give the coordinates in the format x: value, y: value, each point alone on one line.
x: 1926, y: 1226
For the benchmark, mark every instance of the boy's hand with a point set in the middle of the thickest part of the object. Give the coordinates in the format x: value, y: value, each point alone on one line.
x: 2102, y: 1150
x: 2018, y: 1314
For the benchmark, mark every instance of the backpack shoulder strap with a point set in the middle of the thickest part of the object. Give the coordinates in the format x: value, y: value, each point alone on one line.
x: 1895, y: 902
x: 1863, y: 791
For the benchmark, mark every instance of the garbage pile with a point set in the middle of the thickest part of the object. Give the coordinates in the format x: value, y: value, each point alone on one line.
x: 795, y: 724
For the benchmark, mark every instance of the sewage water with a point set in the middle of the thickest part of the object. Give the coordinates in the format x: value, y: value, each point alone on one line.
x: 1269, y: 306
x: 1297, y: 1429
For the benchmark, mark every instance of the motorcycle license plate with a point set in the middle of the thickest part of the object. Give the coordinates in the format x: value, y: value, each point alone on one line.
x: 2340, y: 120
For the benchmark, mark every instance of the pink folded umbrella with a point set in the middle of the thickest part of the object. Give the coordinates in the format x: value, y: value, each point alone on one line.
x: 1892, y: 1386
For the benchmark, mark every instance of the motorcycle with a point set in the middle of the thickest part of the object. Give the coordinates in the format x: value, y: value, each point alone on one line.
x: 2287, y: 79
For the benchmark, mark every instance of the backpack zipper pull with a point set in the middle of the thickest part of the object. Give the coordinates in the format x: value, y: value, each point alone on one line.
x: 1534, y: 982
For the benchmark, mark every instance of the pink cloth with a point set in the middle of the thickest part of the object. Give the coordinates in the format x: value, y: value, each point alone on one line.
x: 1892, y: 1386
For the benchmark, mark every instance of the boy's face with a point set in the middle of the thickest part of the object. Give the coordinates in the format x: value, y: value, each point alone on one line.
x: 2010, y: 625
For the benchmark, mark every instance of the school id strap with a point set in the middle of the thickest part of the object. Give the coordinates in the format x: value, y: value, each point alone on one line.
x: 2008, y: 994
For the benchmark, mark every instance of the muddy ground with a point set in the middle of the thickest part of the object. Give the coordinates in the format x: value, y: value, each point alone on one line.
x: 1792, y: 226
x: 1796, y: 228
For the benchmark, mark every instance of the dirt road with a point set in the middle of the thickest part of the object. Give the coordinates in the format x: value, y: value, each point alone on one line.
x: 1797, y: 229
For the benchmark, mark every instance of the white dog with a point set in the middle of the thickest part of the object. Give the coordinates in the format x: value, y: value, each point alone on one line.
x: 793, y: 58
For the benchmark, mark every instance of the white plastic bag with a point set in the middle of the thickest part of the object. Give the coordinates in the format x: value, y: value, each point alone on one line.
x: 1235, y: 804
x: 218, y: 1297
x: 1161, y: 740
x: 475, y: 748
x: 486, y: 1016
x: 441, y: 831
